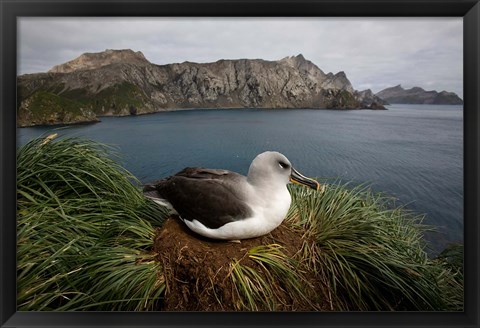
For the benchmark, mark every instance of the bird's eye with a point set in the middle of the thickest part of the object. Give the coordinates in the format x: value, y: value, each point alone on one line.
x: 283, y: 165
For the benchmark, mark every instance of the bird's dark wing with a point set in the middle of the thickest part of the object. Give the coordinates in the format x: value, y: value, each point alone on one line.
x: 204, y: 195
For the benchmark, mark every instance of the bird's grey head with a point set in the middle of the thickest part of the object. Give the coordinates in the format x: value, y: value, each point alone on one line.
x: 270, y: 167
x: 274, y: 168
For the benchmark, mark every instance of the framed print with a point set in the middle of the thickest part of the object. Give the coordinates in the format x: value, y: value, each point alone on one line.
x: 235, y: 163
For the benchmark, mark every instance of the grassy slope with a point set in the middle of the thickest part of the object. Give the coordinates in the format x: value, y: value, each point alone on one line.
x: 53, y: 106
x: 372, y: 257
x: 48, y: 108
x: 84, y: 231
x: 85, y: 234
x: 124, y: 96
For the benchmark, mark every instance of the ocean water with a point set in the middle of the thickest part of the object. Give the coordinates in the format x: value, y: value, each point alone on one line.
x: 411, y: 152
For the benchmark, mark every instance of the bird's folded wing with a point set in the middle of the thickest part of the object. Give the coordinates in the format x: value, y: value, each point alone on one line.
x: 213, y: 202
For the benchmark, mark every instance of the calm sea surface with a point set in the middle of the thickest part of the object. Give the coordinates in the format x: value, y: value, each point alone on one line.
x: 411, y: 152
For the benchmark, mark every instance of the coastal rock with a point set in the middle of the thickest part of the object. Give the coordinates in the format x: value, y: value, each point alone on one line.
x: 369, y: 100
x: 417, y: 95
x: 124, y: 82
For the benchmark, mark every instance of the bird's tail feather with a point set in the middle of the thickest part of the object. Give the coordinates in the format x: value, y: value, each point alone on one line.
x: 160, y: 201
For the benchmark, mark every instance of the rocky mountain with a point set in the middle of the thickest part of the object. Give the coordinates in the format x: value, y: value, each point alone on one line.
x: 416, y: 95
x: 369, y: 100
x: 97, y: 60
x: 124, y: 82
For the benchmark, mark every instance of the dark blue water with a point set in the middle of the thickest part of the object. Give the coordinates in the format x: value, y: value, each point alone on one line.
x: 411, y: 152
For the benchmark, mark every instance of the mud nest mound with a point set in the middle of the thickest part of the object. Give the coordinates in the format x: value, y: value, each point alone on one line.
x: 261, y: 274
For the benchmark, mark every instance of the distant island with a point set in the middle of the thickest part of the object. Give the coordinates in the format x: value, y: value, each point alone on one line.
x: 417, y: 95
x: 124, y: 82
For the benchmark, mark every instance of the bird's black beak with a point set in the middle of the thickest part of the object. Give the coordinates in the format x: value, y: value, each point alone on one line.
x: 298, y: 178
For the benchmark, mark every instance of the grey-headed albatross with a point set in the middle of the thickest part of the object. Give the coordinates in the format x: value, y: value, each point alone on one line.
x: 221, y: 204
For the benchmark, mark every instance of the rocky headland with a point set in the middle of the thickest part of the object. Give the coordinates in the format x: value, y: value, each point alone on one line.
x: 124, y: 82
x: 417, y: 95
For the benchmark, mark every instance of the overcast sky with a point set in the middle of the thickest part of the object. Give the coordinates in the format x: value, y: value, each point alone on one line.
x: 375, y: 53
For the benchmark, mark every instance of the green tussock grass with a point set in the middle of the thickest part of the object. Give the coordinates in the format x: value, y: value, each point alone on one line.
x: 371, y: 255
x: 85, y: 235
x: 264, y: 286
x: 84, y: 231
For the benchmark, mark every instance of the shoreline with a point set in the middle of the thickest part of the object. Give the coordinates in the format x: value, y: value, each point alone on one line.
x: 166, y: 110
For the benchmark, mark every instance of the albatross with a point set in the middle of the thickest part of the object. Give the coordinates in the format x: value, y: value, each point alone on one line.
x: 221, y: 204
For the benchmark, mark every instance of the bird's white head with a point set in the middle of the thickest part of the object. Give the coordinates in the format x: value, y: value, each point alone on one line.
x: 274, y: 168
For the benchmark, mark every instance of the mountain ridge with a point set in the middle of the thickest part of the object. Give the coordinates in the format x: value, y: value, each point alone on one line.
x: 124, y: 82
x: 417, y: 95
x: 91, y: 60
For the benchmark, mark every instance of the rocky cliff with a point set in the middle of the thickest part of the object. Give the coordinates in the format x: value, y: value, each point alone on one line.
x: 416, y: 95
x: 124, y: 82
x: 97, y: 60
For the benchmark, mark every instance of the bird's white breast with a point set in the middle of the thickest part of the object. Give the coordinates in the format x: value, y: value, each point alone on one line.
x: 268, y: 213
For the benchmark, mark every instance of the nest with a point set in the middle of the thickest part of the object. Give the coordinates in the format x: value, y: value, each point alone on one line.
x: 206, y: 275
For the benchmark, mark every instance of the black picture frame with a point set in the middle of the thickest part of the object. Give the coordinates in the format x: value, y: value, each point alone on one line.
x: 11, y: 10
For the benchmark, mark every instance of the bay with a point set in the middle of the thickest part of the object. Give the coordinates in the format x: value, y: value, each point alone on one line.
x: 411, y: 152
